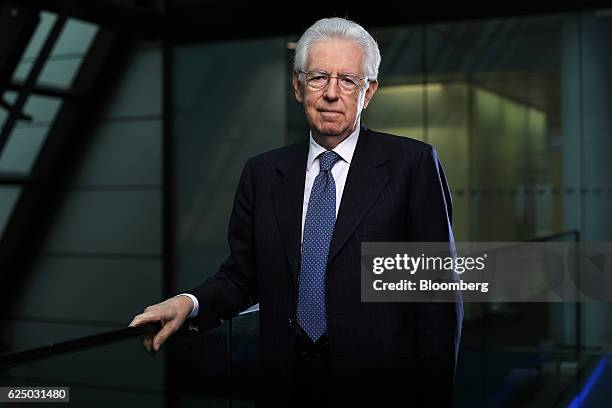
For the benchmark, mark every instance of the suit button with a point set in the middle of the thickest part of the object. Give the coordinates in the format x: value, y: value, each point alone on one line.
x: 290, y: 322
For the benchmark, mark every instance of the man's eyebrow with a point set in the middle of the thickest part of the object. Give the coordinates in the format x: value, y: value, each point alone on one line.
x: 327, y: 72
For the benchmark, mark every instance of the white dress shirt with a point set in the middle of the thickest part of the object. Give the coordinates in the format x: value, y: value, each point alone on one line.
x: 345, y: 150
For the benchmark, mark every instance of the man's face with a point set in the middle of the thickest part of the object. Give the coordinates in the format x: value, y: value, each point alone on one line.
x: 330, y: 111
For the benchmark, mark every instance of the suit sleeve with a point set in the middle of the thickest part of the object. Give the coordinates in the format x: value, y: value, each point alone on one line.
x: 439, y: 323
x: 233, y: 288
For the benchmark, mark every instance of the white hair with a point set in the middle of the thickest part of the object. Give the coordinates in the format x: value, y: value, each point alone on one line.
x: 339, y: 28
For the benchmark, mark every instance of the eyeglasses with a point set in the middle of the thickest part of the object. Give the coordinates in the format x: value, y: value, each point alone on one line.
x: 318, y: 80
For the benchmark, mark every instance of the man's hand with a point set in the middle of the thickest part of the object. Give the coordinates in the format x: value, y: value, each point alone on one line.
x: 171, y: 313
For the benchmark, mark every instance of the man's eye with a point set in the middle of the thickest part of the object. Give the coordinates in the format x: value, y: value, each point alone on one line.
x: 317, y: 78
x: 349, y: 83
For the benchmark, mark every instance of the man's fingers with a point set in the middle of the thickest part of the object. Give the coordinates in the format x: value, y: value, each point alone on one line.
x: 162, y: 335
x: 143, y: 318
x: 135, y: 321
x: 147, y: 342
x: 151, y: 314
x: 169, y: 313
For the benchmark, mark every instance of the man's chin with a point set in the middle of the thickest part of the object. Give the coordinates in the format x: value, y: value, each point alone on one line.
x: 331, y: 131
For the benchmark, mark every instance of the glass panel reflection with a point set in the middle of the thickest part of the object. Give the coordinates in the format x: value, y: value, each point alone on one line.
x: 22, y: 148
x: 42, y: 109
x: 60, y: 72
x: 8, y: 199
x: 46, y: 21
x: 76, y: 38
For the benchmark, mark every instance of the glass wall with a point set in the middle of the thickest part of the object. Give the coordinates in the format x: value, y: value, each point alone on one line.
x: 81, y: 277
x: 486, y: 95
x: 229, y: 104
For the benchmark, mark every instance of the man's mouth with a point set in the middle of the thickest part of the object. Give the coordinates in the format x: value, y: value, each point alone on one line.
x: 329, y: 112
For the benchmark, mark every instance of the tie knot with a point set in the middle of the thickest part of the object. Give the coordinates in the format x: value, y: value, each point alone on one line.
x: 327, y: 160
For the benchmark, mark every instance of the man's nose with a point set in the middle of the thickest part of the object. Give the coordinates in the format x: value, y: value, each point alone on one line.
x: 331, y: 90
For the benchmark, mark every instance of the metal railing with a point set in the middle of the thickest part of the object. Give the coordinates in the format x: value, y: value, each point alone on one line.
x: 11, y: 359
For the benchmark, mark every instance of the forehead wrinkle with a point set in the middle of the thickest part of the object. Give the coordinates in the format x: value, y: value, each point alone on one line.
x: 345, y: 57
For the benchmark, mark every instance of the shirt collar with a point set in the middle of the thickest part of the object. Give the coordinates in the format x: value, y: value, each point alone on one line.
x: 345, y: 148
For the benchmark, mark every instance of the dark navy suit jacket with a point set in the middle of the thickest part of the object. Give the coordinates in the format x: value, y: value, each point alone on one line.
x: 395, y: 191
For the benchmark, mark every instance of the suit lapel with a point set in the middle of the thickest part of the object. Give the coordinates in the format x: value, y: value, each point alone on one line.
x: 366, y: 178
x: 288, y: 199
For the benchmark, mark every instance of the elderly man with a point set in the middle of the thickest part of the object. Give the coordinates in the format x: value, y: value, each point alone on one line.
x: 299, y: 216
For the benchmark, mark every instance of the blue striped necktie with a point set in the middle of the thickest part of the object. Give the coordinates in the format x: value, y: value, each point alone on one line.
x: 318, y: 231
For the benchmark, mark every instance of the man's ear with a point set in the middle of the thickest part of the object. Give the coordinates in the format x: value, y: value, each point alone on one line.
x: 297, y: 87
x: 372, y: 87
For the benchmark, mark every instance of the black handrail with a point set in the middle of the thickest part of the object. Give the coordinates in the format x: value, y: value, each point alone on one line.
x: 11, y: 359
